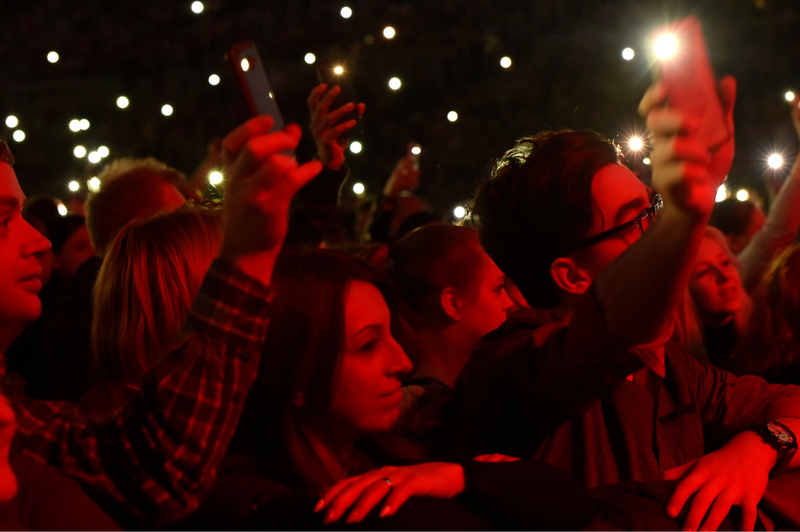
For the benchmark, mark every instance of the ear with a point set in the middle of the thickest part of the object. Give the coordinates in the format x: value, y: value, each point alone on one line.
x: 569, y: 276
x: 451, y: 304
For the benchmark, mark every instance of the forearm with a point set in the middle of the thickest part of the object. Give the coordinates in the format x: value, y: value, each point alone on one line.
x: 787, y: 411
x: 640, y: 290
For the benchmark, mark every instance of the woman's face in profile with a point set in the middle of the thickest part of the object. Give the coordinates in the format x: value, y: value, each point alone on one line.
x: 489, y: 309
x: 366, y: 390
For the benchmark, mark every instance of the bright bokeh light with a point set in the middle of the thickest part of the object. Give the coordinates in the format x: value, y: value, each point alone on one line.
x: 775, y: 161
x: 742, y: 195
x: 338, y: 69
x: 62, y: 209
x: 75, y: 125
x: 197, y: 7
x: 245, y: 65
x: 646, y: 160
x: 84, y: 124
x: 395, y: 83
x: 79, y: 151
x: 122, y: 102
x: 19, y: 135
x: 52, y: 57
x: 722, y: 193
x: 94, y: 157
x: 452, y: 116
x: 389, y: 32
x: 310, y: 58
x: 74, y: 186
x: 103, y: 151
x: 359, y: 188
x: 93, y: 184
x: 789, y: 96
x: 505, y: 62
x: 346, y: 12
x: 627, y: 54
x: 215, y: 177
x: 635, y: 143
x: 11, y: 121
x: 213, y: 79
x: 459, y: 212
x: 356, y: 147
x: 666, y: 46
x: 166, y: 110
x: 416, y: 150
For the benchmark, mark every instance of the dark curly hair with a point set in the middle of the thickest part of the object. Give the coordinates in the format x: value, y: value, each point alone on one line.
x: 538, y: 205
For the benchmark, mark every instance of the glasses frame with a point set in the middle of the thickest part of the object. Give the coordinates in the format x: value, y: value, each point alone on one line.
x: 650, y: 211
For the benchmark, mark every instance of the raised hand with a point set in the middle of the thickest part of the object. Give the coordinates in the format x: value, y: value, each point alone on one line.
x: 331, y: 141
x: 395, y: 484
x: 404, y: 178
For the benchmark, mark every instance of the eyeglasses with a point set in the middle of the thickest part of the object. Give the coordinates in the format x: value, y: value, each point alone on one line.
x: 649, y: 212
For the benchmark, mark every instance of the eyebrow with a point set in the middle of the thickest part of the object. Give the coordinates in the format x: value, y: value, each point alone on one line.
x: 375, y: 326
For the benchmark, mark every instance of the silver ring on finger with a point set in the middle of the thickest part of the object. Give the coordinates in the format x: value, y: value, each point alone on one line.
x: 389, y: 482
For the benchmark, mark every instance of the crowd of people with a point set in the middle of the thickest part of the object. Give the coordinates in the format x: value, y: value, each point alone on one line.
x: 583, y: 352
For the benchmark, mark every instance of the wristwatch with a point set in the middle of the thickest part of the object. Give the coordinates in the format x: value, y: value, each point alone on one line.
x: 781, y: 438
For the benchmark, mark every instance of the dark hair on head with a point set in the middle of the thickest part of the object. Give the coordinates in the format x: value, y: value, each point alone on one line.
x: 732, y: 216
x: 538, y: 206
x: 304, y: 343
x: 5, y: 154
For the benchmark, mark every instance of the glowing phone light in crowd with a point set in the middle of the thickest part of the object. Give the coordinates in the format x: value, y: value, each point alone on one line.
x: 356, y: 147
x: 215, y: 177
x: 75, y: 125
x: 416, y: 150
x: 310, y: 58
x: 94, y: 157
x: 122, y: 102
x: 166, y: 110
x: 197, y: 7
x: 666, y: 46
x: 635, y: 143
x: 103, y: 151
x: 722, y: 193
x: 742, y: 195
x: 338, y: 69
x: 62, y: 209
x: 74, y: 186
x: 395, y: 83
x: 11, y: 121
x: 627, y: 54
x: 789, y: 96
x: 459, y: 212
x: 646, y: 160
x: 505, y: 62
x: 245, y: 65
x: 389, y: 32
x: 93, y: 184
x: 52, y: 57
x: 213, y: 79
x: 84, y: 124
x: 359, y: 188
x: 79, y: 151
x: 346, y: 12
x: 19, y: 135
x: 775, y: 161
x: 452, y: 116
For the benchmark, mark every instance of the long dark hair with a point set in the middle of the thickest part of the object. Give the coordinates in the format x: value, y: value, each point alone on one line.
x: 304, y: 344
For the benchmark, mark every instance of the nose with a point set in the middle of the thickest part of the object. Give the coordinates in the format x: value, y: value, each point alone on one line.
x: 399, y: 363
x: 505, y: 301
x: 722, y: 276
x: 35, y: 243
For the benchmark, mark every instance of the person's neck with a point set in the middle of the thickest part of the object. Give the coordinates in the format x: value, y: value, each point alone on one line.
x: 8, y: 333
x: 443, y: 354
x: 334, y: 455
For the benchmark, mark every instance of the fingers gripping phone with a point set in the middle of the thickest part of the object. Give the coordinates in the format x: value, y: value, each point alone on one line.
x: 253, y: 83
x: 333, y: 75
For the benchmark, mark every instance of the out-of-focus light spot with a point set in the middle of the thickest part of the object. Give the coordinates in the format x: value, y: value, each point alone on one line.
x: 103, y: 151
x: 666, y: 46
x: 62, y: 209
x: 356, y: 147
x: 395, y: 83
x: 505, y: 62
x: 369, y: 39
x: 742, y: 195
x: 389, y: 32
x: 459, y: 212
x: 197, y: 7
x: 122, y: 102
x: 245, y: 65
x: 75, y: 125
x: 452, y: 116
x: 84, y: 124
x: 789, y: 96
x: 74, y: 186
x: 310, y: 58
x: 646, y: 160
x: 79, y: 151
x: 19, y: 135
x: 627, y: 54
x: 338, y: 69
x: 94, y: 157
x: 635, y: 143
x: 213, y: 79
x: 359, y: 188
x: 416, y: 150
x: 215, y: 177
x: 722, y: 193
x: 11, y: 121
x: 93, y: 184
x: 346, y: 12
x: 52, y: 57
x: 775, y: 161
x: 166, y: 110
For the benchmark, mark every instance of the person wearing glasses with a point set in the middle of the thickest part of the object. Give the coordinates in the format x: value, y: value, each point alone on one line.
x: 575, y: 229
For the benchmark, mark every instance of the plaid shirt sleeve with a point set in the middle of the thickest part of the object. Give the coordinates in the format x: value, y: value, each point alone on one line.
x: 159, y: 456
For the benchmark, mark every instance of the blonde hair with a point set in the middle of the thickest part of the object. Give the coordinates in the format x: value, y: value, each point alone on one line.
x: 146, y: 285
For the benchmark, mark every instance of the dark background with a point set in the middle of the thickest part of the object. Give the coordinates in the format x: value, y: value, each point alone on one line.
x: 567, y: 71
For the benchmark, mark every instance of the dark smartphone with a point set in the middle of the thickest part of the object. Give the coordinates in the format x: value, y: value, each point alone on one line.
x: 253, y: 83
x: 332, y: 75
